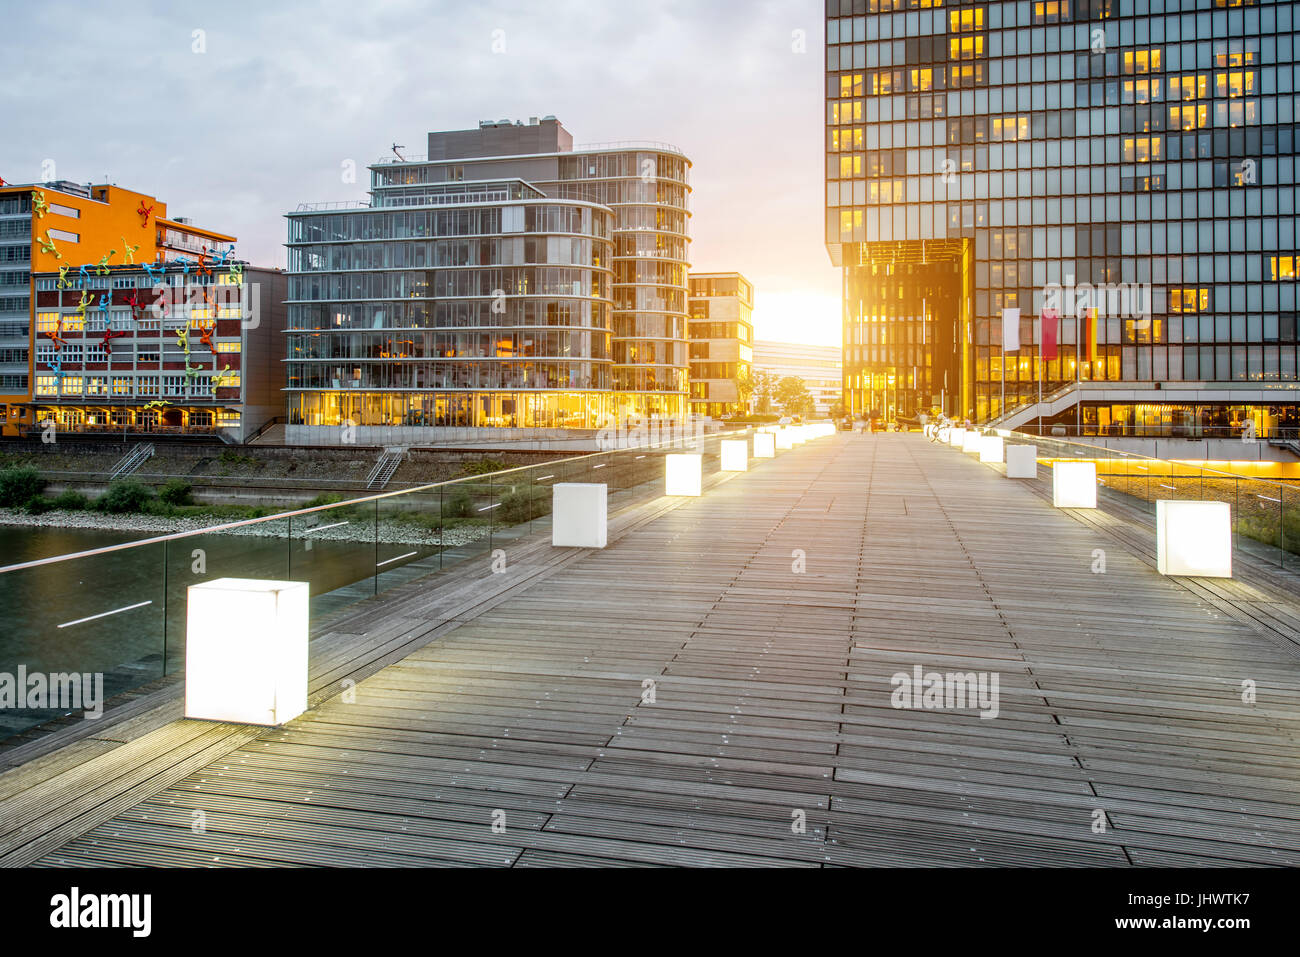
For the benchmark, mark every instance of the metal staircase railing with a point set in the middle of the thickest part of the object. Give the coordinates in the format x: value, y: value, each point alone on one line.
x: 140, y: 453
x: 384, y: 469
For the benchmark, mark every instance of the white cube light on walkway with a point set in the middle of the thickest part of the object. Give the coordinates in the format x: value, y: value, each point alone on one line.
x: 784, y: 440
x: 246, y: 651
x: 1022, y: 461
x: 764, y: 445
x: 579, y: 514
x: 957, y: 437
x: 735, y: 455
x: 1074, y: 484
x: 971, y: 441
x: 991, y: 448
x: 1194, y: 538
x: 684, y: 473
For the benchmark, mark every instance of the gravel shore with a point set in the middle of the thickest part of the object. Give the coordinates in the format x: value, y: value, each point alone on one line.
x: 389, y: 532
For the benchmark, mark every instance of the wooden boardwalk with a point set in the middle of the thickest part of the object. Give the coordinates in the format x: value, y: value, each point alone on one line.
x: 691, y: 695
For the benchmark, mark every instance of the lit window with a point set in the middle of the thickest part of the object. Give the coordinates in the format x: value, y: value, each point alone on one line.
x: 966, y: 48
x: 1142, y: 149
x: 1282, y: 267
x: 1234, y: 83
x: 1051, y: 11
x: 1189, y: 87
x: 1142, y: 61
x: 1189, y: 299
x: 228, y: 347
x: 47, y: 321
x: 966, y: 21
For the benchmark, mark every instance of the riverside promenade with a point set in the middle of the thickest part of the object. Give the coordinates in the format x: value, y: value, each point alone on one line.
x: 717, y: 687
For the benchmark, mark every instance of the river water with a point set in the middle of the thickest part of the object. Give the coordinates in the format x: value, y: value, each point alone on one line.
x: 109, y: 613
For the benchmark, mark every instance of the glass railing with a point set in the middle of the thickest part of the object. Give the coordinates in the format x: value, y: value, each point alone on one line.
x: 1265, y: 509
x: 120, y: 610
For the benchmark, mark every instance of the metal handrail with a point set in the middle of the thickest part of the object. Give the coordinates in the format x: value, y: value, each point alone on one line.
x: 627, y: 145
x: 337, y: 204
x: 214, y: 529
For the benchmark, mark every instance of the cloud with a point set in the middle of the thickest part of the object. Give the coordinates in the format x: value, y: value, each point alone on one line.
x: 285, y: 92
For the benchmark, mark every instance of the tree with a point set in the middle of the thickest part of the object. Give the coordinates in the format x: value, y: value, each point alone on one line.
x: 793, y: 395
x: 761, y: 386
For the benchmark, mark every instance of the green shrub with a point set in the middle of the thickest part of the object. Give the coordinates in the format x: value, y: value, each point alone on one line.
x: 458, y: 505
x: 484, y: 466
x: 325, y: 498
x: 124, y: 496
x: 36, y: 505
x: 71, y: 500
x: 19, y: 485
x: 521, y: 506
x: 176, y: 492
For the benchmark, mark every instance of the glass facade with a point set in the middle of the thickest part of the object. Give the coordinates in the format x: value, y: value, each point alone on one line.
x: 988, y: 156
x: 649, y: 192
x: 469, y: 305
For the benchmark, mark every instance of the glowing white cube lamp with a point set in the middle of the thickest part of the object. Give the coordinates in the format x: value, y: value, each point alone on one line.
x: 797, y: 435
x: 735, y: 455
x: 684, y: 473
x: 1074, y: 484
x: 1194, y: 538
x: 246, y: 651
x: 764, y: 445
x: 957, y: 437
x: 1022, y: 461
x: 579, y: 515
x: 971, y: 441
x: 784, y: 440
x: 992, y: 449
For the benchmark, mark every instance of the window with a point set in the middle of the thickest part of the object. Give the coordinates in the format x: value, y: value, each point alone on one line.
x: 1142, y: 149
x: 1282, y: 267
x: 1142, y: 61
x: 47, y: 321
x: 1189, y: 299
x: 45, y: 385
x: 228, y: 347
x: 1234, y: 83
x: 964, y: 48
x: 72, y: 385
x: 1051, y: 11
x: 63, y: 236
x: 67, y: 211
x: 1193, y: 117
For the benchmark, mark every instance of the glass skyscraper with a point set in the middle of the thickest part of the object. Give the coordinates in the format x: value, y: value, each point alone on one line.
x: 1121, y: 170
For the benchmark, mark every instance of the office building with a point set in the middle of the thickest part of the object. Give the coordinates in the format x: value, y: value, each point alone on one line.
x: 170, y: 348
x: 722, y: 338
x: 818, y: 366
x: 46, y: 227
x: 504, y: 284
x: 1126, y: 168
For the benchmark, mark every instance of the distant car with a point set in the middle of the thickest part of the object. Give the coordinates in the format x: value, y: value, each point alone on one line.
x: 785, y: 420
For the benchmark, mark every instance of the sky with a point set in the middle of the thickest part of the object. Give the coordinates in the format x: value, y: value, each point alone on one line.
x: 234, y: 113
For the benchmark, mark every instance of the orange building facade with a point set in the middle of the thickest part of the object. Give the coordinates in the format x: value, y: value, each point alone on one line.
x: 59, y: 227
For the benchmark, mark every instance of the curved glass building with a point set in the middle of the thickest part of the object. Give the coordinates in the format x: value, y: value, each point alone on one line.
x: 448, y: 305
x: 505, y: 281
x: 648, y: 189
